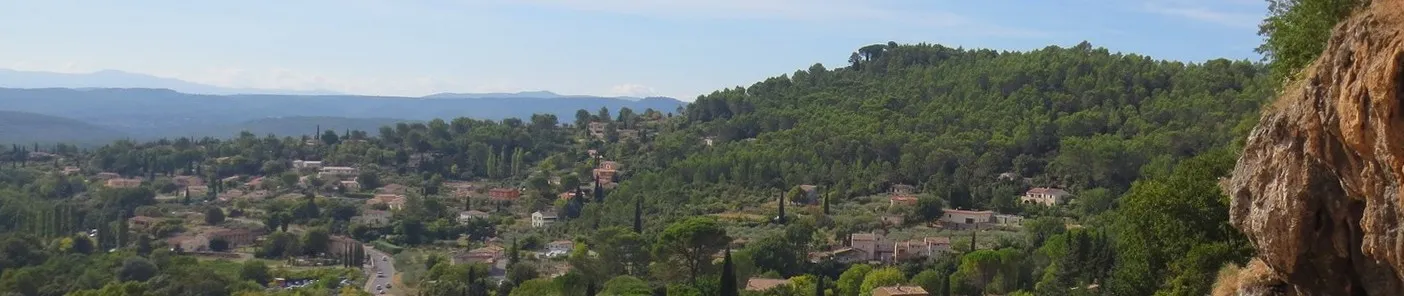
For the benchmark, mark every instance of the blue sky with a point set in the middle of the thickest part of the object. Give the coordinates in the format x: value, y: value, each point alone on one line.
x: 679, y: 48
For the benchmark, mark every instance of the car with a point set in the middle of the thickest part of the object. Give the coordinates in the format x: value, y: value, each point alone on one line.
x: 377, y: 287
x: 386, y: 259
x: 387, y: 285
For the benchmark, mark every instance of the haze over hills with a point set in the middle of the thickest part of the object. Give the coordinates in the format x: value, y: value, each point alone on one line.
x: 121, y: 79
x: 25, y: 127
x: 149, y: 113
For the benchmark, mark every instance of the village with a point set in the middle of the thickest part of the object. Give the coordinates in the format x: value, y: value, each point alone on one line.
x: 245, y: 232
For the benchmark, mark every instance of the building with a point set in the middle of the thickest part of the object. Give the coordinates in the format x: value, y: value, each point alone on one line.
x: 504, y: 194
x: 606, y: 171
x: 1045, y: 196
x: 1006, y: 219
x: 123, y: 183
x: 339, y: 245
x: 393, y: 201
x: 70, y: 170
x: 468, y: 216
x: 900, y: 291
x: 811, y: 194
x: 461, y: 189
x: 306, y: 164
x: 903, y: 189
x: 486, y: 255
x: 920, y: 248
x: 190, y: 243
x: 874, y: 247
x: 541, y: 219
x: 349, y: 185
x: 373, y: 218
x: 841, y: 255
x: 337, y: 173
x: 966, y: 217
x: 566, y: 195
x: 763, y: 284
x: 597, y: 129
x: 107, y: 176
x: 235, y: 237
x: 560, y: 247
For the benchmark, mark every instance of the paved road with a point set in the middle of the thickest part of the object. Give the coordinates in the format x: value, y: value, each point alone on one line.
x: 381, y: 263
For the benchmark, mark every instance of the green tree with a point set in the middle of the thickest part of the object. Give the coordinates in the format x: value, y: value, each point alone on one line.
x: 626, y: 286
x: 1295, y: 31
x: 214, y: 216
x: 136, y: 269
x: 690, y: 244
x: 850, y: 283
x: 881, y: 278
x: 255, y: 271
x: 728, y: 276
x: 315, y: 241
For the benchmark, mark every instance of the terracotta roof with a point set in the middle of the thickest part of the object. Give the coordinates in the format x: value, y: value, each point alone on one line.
x: 761, y: 284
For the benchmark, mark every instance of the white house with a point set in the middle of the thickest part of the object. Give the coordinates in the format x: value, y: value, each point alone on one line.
x: 1045, y: 196
x: 328, y: 173
x: 307, y: 164
x: 541, y: 219
x: 559, y: 248
x: 1007, y: 219
x: 468, y: 216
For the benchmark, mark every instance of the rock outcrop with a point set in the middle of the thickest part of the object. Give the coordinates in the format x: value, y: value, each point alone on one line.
x: 1317, y: 189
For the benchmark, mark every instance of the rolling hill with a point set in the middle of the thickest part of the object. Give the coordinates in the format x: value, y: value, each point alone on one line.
x: 24, y: 127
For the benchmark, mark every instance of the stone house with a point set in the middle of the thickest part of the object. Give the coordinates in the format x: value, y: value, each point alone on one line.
x: 469, y: 215
x: 966, y: 217
x: 337, y: 173
x: 541, y: 219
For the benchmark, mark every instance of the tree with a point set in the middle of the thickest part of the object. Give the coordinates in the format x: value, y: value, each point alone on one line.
x: 728, y: 276
x: 1295, y: 31
x: 690, y: 244
x: 255, y: 271
x: 638, y: 215
x: 136, y: 269
x: 329, y: 138
x: 214, y: 216
x: 931, y: 280
x: 620, y: 251
x: 316, y: 240
x: 850, y: 283
x: 881, y: 278
x: 780, y: 215
x: 626, y: 286
x: 929, y: 208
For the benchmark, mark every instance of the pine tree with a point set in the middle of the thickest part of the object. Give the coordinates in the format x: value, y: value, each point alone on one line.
x: 728, y: 276
x: 638, y: 215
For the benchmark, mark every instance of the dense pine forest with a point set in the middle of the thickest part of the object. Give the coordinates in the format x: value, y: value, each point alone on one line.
x: 747, y: 185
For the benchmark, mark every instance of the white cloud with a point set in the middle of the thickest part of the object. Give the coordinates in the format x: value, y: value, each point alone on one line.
x: 632, y: 90
x: 1203, y: 14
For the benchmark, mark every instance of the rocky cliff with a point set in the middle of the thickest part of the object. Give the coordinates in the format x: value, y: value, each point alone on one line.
x: 1317, y: 188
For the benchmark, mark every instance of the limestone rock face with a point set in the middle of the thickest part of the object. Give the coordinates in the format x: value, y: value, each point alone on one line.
x: 1317, y: 188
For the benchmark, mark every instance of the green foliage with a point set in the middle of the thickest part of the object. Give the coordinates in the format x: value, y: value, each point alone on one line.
x: 850, y: 283
x: 1296, y: 31
x: 881, y: 278
x: 214, y: 216
x: 689, y: 244
x: 136, y: 269
x: 626, y: 286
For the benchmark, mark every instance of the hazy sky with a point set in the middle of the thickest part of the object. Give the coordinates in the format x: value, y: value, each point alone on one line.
x: 679, y: 48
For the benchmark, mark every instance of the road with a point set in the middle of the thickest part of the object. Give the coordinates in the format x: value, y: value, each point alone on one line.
x: 380, y: 263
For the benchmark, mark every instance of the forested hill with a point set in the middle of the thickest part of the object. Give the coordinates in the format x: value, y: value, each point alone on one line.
x: 951, y: 121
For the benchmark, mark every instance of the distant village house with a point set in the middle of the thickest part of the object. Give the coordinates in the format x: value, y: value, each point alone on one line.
x: 1045, y: 196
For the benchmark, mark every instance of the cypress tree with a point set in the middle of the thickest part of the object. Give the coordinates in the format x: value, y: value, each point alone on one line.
x: 781, y: 218
x: 638, y: 215
x: 599, y: 190
x: 819, y: 286
x: 515, y: 253
x: 590, y: 288
x: 826, y: 203
x: 728, y: 276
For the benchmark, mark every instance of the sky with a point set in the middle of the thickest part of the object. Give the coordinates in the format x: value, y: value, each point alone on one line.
x: 678, y: 48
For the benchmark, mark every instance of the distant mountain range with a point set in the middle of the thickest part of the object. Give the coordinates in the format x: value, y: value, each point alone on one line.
x: 119, y: 79
x: 83, y: 107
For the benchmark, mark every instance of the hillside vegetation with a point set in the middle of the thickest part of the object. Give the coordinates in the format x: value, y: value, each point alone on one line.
x: 25, y: 128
